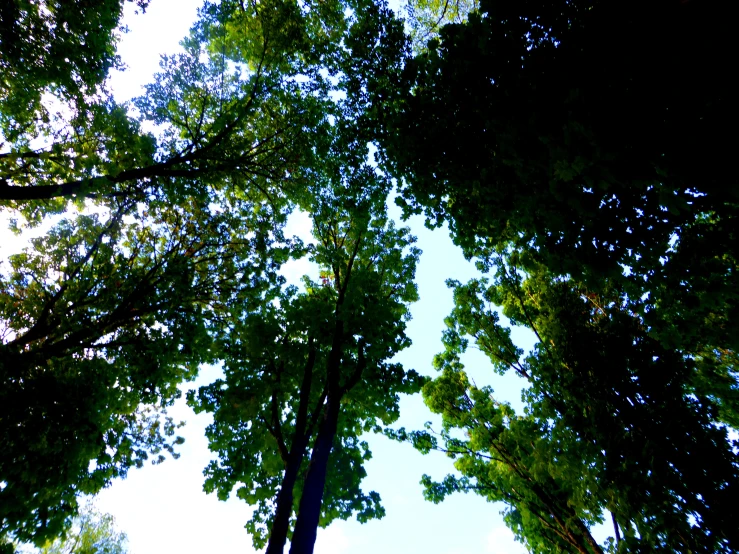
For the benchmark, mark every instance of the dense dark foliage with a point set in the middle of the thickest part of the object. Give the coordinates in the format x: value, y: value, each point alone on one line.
x: 579, y: 150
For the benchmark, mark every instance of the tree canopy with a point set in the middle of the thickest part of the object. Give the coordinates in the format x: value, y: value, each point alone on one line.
x: 307, y: 373
x: 93, y: 532
x: 614, y: 420
x: 108, y: 312
x: 584, y: 169
x: 59, y: 47
x: 579, y: 151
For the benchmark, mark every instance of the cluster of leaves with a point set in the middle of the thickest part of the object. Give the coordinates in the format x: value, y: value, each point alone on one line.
x: 93, y: 532
x: 506, y: 137
x: 614, y: 420
x: 427, y: 17
x: 61, y: 47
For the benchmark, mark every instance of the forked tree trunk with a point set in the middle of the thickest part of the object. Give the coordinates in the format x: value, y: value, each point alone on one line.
x: 284, y: 509
x: 306, y: 526
x: 281, y: 523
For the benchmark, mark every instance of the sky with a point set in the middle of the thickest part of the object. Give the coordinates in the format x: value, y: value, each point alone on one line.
x: 164, y: 509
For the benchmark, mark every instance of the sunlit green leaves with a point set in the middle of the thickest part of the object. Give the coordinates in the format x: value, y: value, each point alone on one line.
x: 277, y: 367
x: 608, y: 413
x: 102, y: 317
x: 93, y: 532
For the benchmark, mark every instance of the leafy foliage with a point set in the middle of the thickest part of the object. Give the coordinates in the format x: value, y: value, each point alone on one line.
x: 103, y: 316
x: 427, y: 17
x: 506, y: 137
x: 221, y: 134
x: 62, y: 47
x: 93, y: 532
x: 573, y: 165
x: 308, y: 368
x: 280, y: 375
x: 614, y: 420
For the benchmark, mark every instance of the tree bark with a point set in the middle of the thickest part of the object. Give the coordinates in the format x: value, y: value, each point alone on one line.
x: 284, y: 508
x: 306, y: 526
x: 281, y: 523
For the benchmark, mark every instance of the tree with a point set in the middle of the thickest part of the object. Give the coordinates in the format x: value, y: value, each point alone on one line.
x: 613, y: 418
x: 94, y: 532
x: 108, y: 313
x: 599, y: 199
x: 101, y: 320
x: 307, y: 372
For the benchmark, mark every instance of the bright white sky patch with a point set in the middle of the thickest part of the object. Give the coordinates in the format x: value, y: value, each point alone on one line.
x: 501, y: 541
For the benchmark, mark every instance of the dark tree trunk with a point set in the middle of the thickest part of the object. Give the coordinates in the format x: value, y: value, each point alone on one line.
x: 306, y: 526
x: 92, y: 187
x: 284, y: 509
x: 281, y: 523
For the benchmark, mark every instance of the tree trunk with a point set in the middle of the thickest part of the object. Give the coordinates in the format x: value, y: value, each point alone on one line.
x: 306, y: 526
x: 281, y: 523
x: 284, y: 509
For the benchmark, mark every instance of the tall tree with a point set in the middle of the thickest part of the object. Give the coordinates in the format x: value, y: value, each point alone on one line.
x: 108, y: 313
x: 372, y: 267
x: 309, y: 371
x: 295, y: 369
x: 586, y: 166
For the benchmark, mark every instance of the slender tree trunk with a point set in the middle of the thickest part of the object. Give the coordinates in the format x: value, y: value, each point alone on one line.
x: 306, y: 526
x: 284, y: 509
x: 281, y: 523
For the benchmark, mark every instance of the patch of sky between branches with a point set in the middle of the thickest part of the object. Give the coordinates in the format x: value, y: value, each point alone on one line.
x: 300, y: 225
